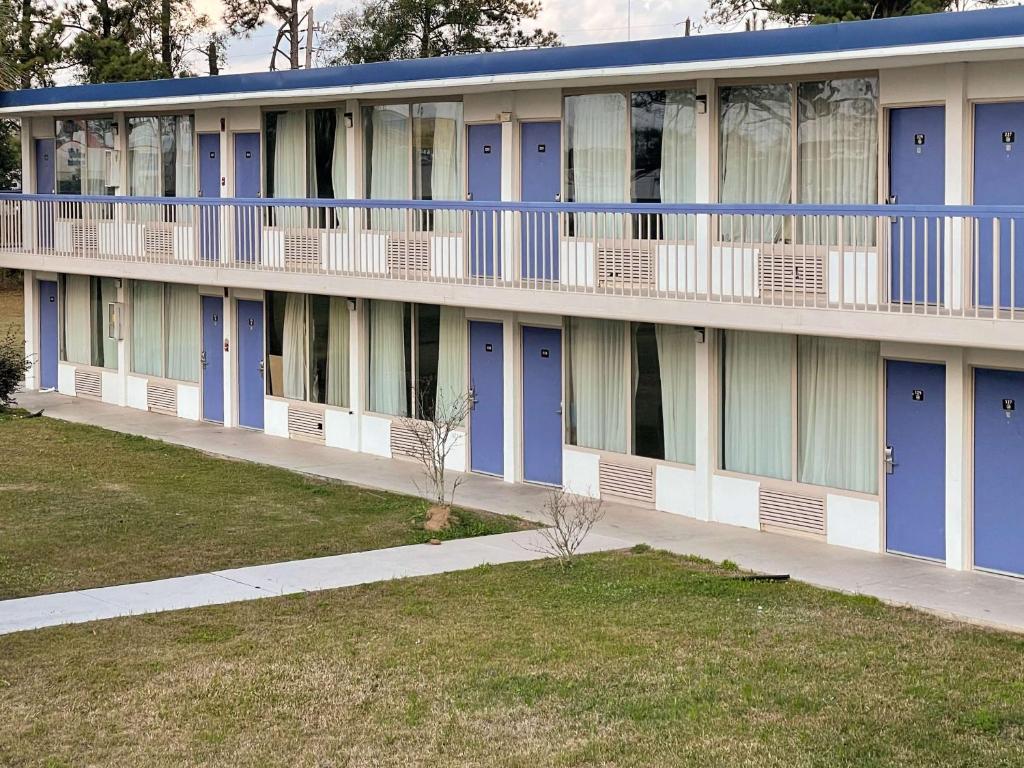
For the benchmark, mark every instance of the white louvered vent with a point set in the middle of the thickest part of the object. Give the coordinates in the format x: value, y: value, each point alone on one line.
x: 624, y: 266
x: 793, y: 512
x: 408, y: 255
x: 627, y: 481
x: 88, y: 383
x: 305, y: 424
x: 85, y: 238
x: 301, y: 249
x: 159, y: 241
x: 404, y: 440
x: 792, y: 273
x: 161, y: 398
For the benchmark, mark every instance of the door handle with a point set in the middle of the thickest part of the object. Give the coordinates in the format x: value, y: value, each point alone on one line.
x: 558, y: 197
x: 472, y: 398
x: 202, y: 359
x: 261, y: 367
x: 469, y: 195
x: 890, y: 460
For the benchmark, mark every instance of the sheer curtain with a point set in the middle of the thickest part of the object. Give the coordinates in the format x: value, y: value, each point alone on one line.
x: 389, y: 172
x: 755, y: 155
x: 106, y: 345
x: 77, y: 307
x: 758, y: 412
x: 144, y: 164
x: 98, y: 141
x: 183, y: 332
x: 294, y: 346
x: 597, y: 353
x: 387, y: 358
x: 598, y: 158
x: 148, y: 328
x: 837, y: 153
x: 837, y: 392
x: 337, y: 352
x: 339, y: 157
x: 679, y: 157
x: 451, y: 356
x: 446, y: 165
x: 289, y: 161
x: 184, y: 162
x: 677, y: 363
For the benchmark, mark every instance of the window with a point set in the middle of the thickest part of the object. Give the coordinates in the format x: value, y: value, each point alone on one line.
x: 84, y: 320
x: 641, y: 373
x: 161, y: 156
x: 84, y: 151
x: 165, y: 330
x: 834, y: 383
x: 417, y: 358
x: 308, y: 348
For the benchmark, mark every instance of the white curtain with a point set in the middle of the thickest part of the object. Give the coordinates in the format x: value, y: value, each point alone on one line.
x: 337, y: 352
x: 679, y: 158
x: 294, y: 346
x: 755, y: 155
x: 184, y: 163
x: 677, y: 364
x: 390, y: 158
x: 598, y: 142
x: 145, y: 165
x: 183, y: 347
x: 106, y: 346
x: 599, y: 395
x: 387, y: 359
x: 451, y: 357
x: 289, y: 162
x: 758, y: 412
x: 837, y: 392
x: 446, y: 165
x: 98, y: 140
x: 77, y: 325
x: 148, y: 328
x: 837, y: 152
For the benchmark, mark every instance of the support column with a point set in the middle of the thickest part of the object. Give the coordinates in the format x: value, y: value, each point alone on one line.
x: 706, y: 170
x: 706, y: 424
x: 123, y: 359
x: 958, y: 532
x: 511, y: 390
x: 357, y: 366
x: 229, y: 324
x: 31, y: 325
x: 957, y: 190
x: 28, y: 181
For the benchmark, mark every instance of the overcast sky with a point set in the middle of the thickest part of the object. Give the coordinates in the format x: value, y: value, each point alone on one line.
x: 577, y: 21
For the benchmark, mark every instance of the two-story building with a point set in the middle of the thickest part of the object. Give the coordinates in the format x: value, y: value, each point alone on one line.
x: 767, y: 279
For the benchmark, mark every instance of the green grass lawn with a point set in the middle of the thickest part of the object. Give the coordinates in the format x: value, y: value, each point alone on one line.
x: 628, y: 659
x: 84, y: 507
x: 11, y: 308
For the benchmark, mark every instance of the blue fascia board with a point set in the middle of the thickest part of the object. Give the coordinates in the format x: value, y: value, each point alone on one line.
x: 827, y: 38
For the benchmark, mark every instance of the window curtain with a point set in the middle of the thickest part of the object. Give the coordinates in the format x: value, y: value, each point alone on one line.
x: 294, y: 346
x: 339, y: 168
x: 337, y: 352
x: 837, y: 392
x: 679, y: 158
x: 289, y: 161
x: 183, y: 347
x: 147, y: 328
x: 105, y: 346
x: 598, y: 159
x: 387, y: 358
x: 390, y: 158
x: 96, y: 140
x: 184, y: 164
x: 755, y: 156
x: 837, y: 155
x: 677, y: 363
x: 77, y: 325
x: 451, y: 357
x: 445, y: 168
x: 144, y: 164
x: 758, y: 413
x: 597, y: 351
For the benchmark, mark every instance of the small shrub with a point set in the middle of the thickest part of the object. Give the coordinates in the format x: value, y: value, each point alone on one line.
x: 729, y: 565
x: 639, y: 549
x: 568, y: 520
x: 13, y: 367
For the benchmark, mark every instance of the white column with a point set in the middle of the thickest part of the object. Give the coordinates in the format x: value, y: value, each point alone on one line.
x: 229, y: 324
x: 509, y: 129
x: 706, y: 424
x: 706, y: 170
x: 28, y: 182
x: 31, y: 325
x: 358, y: 366
x: 957, y: 190
x: 958, y: 532
x: 123, y: 360
x: 510, y: 376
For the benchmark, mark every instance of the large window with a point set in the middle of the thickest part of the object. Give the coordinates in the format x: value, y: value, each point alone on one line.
x: 165, y: 330
x: 308, y: 348
x: 630, y: 388
x: 834, y: 383
x: 161, y: 156
x: 413, y: 152
x: 84, y: 157
x: 84, y: 337
x: 417, y: 356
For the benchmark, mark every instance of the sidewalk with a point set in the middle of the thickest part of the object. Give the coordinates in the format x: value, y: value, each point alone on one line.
x: 967, y: 596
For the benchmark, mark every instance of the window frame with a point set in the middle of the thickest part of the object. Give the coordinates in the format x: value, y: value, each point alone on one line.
x: 164, y: 346
x: 94, y: 285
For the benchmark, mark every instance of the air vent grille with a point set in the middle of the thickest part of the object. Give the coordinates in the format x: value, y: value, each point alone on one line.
x: 625, y: 266
x: 627, y: 481
x: 408, y: 255
x: 88, y: 383
x: 305, y: 424
x: 301, y: 249
x: 159, y: 241
x: 85, y: 238
x: 792, y: 273
x: 793, y: 512
x: 161, y: 398
x: 405, y: 441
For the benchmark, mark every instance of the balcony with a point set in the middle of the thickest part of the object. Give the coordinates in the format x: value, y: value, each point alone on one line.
x: 939, y: 274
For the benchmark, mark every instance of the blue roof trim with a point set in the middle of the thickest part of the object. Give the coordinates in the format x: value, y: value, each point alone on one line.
x: 828, y: 38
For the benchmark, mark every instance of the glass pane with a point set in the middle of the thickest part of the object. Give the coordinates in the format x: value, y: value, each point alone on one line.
x: 428, y: 336
x: 597, y: 159
x: 597, y: 384
x: 389, y: 351
x: 386, y: 161
x: 145, y: 157
x: 70, y: 160
x: 104, y: 349
x: 148, y: 328
x: 275, y: 302
x: 648, y: 420
x: 319, y: 338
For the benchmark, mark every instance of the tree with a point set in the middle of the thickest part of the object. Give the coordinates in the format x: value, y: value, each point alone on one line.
x: 386, y: 30
x: 30, y: 43
x: 729, y: 12
x: 13, y: 367
x: 243, y: 16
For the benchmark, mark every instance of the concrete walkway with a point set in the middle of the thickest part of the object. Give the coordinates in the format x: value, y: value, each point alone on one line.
x: 274, y: 580
x: 967, y: 596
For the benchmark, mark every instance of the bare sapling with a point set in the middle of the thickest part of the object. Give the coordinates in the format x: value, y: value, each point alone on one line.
x: 568, y: 521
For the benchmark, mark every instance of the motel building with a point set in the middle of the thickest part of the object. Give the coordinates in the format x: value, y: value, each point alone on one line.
x: 770, y: 279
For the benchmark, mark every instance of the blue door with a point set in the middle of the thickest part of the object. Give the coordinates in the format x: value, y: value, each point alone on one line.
x: 48, y: 324
x: 542, y: 405
x: 213, y: 358
x: 247, y: 185
x: 46, y: 181
x: 915, y: 438
x: 998, y: 479
x: 485, y: 186
x: 487, y: 419
x: 917, y: 176
x: 998, y: 171
x: 209, y: 186
x: 250, y: 364
x: 541, y: 175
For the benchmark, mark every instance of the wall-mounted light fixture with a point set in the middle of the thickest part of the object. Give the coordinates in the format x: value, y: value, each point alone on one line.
x: 351, y: 305
x: 223, y: 125
x: 699, y: 335
x: 505, y: 117
x: 702, y: 103
x: 349, y: 122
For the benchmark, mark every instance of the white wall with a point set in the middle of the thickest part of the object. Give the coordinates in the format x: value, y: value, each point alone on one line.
x: 734, y: 500
x: 581, y: 472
